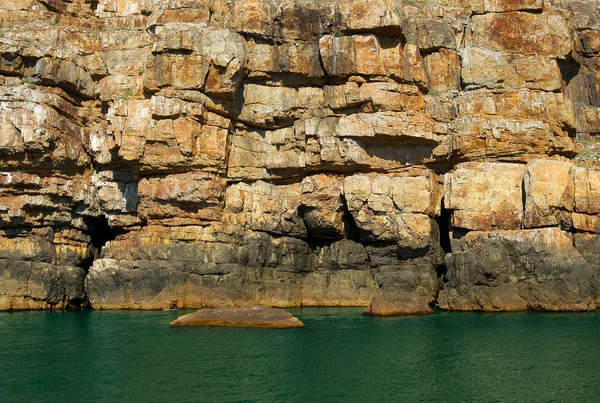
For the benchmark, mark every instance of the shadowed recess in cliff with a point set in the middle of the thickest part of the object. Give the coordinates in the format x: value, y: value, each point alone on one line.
x: 580, y: 82
x: 569, y: 69
x: 444, y: 225
x: 351, y: 230
x: 100, y: 233
x: 323, y: 235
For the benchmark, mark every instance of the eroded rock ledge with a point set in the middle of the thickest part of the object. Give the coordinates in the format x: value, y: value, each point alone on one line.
x: 199, y: 153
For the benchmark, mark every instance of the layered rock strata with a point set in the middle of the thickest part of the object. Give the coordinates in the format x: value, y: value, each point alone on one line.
x: 199, y: 153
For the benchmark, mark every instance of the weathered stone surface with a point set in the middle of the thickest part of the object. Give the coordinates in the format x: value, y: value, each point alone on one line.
x: 435, y: 34
x: 37, y: 285
x: 212, y: 266
x: 485, y: 196
x: 492, y: 69
x: 586, y: 215
x: 588, y: 246
x: 262, y: 154
x: 443, y: 69
x: 511, y: 125
x: 590, y: 41
x: 586, y: 222
x: 379, y: 15
x: 398, y: 304
x: 384, y: 140
x: 182, y: 197
x: 253, y: 316
x: 322, y: 207
x: 30, y: 124
x: 514, y: 5
x: 390, y: 96
x: 381, y: 96
x: 162, y: 134
x: 395, y: 209
x: 526, y: 33
x: 587, y: 189
x: 269, y: 106
x: 517, y: 270
x: 191, y: 58
x: 588, y: 119
x: 549, y: 194
x: 582, y: 14
x: 549, y: 109
x: 360, y: 54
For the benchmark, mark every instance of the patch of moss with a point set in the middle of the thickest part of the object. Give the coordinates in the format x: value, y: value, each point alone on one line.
x: 128, y: 93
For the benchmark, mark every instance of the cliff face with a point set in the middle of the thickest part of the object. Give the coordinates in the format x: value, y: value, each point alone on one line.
x: 193, y: 153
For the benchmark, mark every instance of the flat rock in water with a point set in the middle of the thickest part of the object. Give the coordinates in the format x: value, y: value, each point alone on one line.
x: 254, y: 316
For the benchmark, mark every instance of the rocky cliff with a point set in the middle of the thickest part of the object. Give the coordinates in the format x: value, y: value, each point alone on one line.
x: 197, y: 153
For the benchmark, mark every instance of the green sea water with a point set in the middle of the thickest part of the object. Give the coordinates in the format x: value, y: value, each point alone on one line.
x: 340, y: 356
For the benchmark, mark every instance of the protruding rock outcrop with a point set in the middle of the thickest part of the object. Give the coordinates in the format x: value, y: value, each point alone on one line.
x: 299, y: 153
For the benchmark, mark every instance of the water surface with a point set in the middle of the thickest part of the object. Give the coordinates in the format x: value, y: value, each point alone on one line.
x: 340, y: 356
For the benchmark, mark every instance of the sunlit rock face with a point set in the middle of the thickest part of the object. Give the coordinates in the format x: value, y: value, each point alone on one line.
x: 197, y: 153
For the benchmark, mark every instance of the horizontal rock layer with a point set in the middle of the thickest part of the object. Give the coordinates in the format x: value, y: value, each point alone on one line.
x: 198, y: 153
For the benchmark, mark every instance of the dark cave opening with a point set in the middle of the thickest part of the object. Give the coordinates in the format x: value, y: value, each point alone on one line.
x: 441, y: 271
x: 319, y: 236
x: 351, y: 230
x: 569, y: 69
x: 77, y: 303
x: 444, y: 225
x: 100, y: 233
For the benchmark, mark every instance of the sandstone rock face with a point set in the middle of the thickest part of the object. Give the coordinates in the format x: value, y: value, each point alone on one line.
x: 485, y: 196
x: 222, y: 153
x: 549, y: 194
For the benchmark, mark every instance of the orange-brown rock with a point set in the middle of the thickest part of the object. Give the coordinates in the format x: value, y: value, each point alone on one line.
x: 444, y: 70
x: 586, y: 215
x: 527, y: 33
x: 253, y: 316
x: 513, y: 5
x: 398, y: 209
x: 549, y: 194
x: 492, y: 69
x: 485, y: 196
x: 363, y: 55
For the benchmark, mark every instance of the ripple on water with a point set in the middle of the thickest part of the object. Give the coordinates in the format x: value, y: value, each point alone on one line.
x: 339, y: 355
